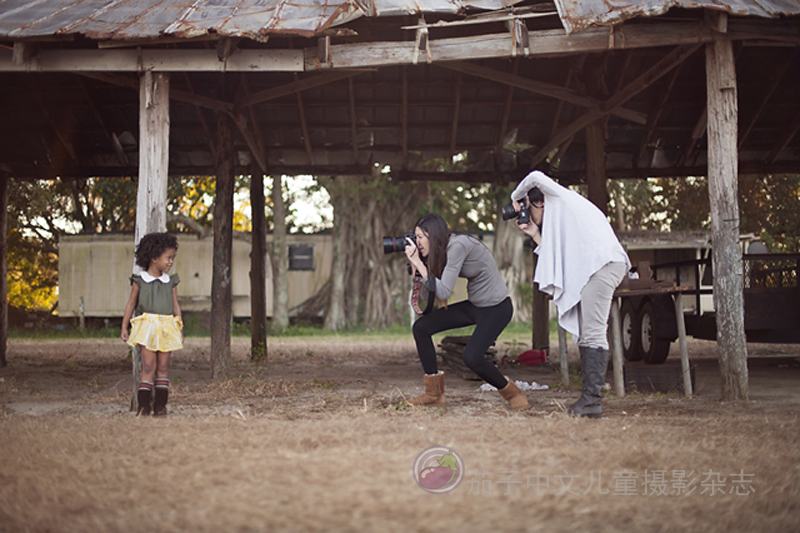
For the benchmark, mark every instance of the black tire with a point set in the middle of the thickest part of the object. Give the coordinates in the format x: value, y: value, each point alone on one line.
x: 654, y: 350
x: 629, y: 322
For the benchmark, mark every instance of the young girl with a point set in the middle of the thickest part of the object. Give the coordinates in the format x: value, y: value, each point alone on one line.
x: 444, y: 257
x: 158, y: 326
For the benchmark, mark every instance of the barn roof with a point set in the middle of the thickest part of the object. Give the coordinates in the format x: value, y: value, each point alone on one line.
x: 334, y: 87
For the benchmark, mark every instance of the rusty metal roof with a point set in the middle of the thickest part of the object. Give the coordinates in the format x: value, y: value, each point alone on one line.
x: 254, y: 19
x: 577, y: 15
x: 257, y: 19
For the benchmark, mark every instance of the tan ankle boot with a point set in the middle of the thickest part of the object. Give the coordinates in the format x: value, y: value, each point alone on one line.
x: 434, y: 392
x: 514, y: 396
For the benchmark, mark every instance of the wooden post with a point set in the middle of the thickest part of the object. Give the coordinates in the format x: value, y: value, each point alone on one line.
x: 722, y: 188
x: 685, y: 370
x: 540, y: 317
x: 562, y: 355
x: 258, y: 269
x: 221, y: 288
x: 151, y: 195
x: 279, y: 255
x: 4, y: 179
x: 615, y: 338
x: 596, y: 165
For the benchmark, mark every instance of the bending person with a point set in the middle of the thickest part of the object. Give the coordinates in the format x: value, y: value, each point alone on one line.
x: 447, y: 256
x: 580, y: 264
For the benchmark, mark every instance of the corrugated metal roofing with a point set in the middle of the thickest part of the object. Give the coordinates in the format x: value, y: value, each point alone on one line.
x: 577, y: 15
x: 257, y: 19
x: 254, y: 19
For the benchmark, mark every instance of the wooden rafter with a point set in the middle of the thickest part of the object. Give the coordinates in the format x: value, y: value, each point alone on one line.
x: 546, y: 89
x: 297, y: 86
x: 112, y: 138
x: 203, y: 123
x: 785, y: 139
x: 502, y: 132
x: 301, y: 109
x: 456, y: 113
x: 777, y: 76
x: 56, y: 129
x: 655, y: 114
x: 654, y: 73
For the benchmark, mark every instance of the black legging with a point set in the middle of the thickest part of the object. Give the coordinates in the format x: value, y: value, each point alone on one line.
x: 489, y: 324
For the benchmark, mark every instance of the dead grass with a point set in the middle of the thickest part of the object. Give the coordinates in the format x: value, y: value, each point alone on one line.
x: 310, y: 443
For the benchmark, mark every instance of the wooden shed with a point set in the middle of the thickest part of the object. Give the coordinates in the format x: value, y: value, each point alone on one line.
x: 585, y: 90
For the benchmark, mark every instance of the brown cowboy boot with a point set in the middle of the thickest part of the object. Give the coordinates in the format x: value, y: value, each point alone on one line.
x: 434, y: 391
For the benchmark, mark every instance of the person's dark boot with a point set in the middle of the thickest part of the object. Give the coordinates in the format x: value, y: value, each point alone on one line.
x: 162, y: 395
x: 594, y: 363
x: 144, y: 398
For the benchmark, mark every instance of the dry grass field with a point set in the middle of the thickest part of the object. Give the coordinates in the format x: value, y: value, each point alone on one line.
x: 317, y: 439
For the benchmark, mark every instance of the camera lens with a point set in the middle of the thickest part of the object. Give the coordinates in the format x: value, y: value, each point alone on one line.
x: 508, y: 212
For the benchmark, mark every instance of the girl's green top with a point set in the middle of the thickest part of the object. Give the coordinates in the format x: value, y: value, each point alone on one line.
x: 155, y: 296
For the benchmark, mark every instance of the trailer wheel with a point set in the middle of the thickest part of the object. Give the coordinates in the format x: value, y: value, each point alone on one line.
x: 630, y: 332
x: 654, y: 350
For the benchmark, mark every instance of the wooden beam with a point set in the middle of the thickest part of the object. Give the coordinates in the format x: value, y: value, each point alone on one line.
x: 542, y: 43
x: 723, y: 174
x: 63, y: 140
x: 155, y: 60
x: 538, y: 87
x: 201, y: 117
x: 775, y: 79
x: 654, y: 73
x: 456, y: 114
x: 175, y: 94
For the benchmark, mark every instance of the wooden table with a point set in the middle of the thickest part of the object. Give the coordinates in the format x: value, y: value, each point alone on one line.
x: 616, y: 332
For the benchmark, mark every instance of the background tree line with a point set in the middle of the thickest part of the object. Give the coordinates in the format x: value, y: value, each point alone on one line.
x: 366, y: 288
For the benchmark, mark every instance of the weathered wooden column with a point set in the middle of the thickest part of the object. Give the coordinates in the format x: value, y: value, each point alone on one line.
x: 3, y: 268
x: 221, y: 289
x: 540, y: 317
x: 258, y: 269
x: 595, y: 135
x: 279, y: 255
x: 151, y: 196
x: 722, y: 188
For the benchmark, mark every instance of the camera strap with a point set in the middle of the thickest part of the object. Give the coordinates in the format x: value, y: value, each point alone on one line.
x: 423, y: 296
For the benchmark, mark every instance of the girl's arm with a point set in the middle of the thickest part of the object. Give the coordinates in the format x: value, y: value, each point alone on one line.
x: 176, y: 309
x: 129, y: 308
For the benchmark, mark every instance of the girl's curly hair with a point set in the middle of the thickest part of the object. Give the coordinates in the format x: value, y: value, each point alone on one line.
x: 153, y: 245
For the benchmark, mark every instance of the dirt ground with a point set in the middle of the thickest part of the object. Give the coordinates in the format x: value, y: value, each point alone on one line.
x: 318, y: 439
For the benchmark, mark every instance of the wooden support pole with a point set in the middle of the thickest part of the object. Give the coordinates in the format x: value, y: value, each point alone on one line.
x: 151, y: 196
x: 615, y: 338
x: 722, y: 188
x: 562, y: 356
x: 4, y: 179
x: 258, y: 269
x: 221, y: 289
x: 540, y: 319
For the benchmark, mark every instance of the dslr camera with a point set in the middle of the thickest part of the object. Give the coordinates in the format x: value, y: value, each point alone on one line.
x: 523, y: 215
x: 398, y: 244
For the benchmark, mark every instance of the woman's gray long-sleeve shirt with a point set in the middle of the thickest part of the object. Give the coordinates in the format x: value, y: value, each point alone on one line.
x: 468, y: 257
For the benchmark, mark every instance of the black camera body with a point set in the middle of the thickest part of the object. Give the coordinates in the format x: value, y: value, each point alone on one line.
x: 398, y: 244
x: 523, y: 215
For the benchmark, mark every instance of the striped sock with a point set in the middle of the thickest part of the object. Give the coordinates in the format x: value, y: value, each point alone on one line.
x: 144, y: 397
x: 162, y: 383
x: 162, y: 395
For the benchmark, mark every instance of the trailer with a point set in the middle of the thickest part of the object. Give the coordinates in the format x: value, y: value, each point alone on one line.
x: 771, y: 304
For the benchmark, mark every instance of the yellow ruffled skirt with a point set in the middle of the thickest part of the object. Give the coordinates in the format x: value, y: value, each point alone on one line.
x: 157, y: 333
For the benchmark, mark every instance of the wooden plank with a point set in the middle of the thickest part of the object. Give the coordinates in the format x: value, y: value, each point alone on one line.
x: 722, y: 190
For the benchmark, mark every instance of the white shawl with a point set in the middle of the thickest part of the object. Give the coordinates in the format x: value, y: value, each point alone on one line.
x: 577, y: 241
